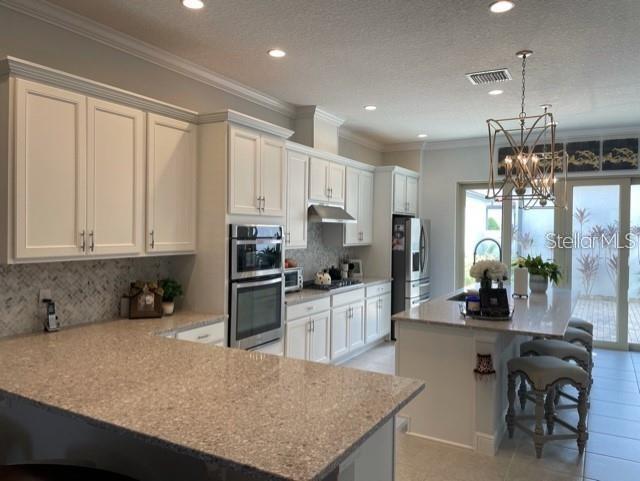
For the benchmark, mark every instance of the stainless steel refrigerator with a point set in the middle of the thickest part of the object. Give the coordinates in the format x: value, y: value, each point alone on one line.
x: 410, y: 263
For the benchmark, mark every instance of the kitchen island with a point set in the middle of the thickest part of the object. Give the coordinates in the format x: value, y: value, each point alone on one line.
x: 122, y: 396
x: 435, y: 343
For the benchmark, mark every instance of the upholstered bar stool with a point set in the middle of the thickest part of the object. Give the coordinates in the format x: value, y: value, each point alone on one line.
x: 562, y: 350
x: 544, y: 374
x: 579, y: 323
x: 579, y: 336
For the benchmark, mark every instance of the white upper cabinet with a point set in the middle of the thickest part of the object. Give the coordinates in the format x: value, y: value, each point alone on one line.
x: 115, y: 179
x: 359, y: 204
x: 171, y: 185
x: 336, y: 182
x: 50, y: 153
x: 326, y: 181
x: 297, y: 173
x: 257, y: 173
x: 273, y: 176
x: 244, y: 171
x: 318, y: 176
x: 405, y: 194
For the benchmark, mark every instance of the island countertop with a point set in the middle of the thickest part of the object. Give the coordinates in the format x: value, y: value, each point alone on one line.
x: 277, y: 418
x: 538, y: 315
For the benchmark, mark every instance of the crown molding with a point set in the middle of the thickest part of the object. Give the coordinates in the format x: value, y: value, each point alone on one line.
x: 404, y: 146
x: 397, y: 169
x: 32, y: 71
x: 339, y: 159
x: 350, y: 135
x: 88, y: 28
x: 246, y: 121
x: 315, y: 112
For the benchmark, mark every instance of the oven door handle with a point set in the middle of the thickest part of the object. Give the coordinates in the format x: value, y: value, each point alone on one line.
x: 242, y: 285
x: 256, y: 241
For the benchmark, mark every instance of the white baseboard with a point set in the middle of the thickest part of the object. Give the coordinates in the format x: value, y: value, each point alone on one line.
x: 443, y: 441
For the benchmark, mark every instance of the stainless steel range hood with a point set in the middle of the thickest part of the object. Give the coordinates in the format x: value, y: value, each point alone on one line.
x: 329, y: 214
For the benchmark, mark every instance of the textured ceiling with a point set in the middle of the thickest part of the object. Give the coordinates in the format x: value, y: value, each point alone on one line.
x: 408, y: 57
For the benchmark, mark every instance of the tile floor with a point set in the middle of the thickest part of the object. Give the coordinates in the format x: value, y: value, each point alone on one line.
x: 613, y: 449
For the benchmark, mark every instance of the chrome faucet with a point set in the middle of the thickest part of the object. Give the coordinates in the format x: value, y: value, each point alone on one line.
x: 475, y: 249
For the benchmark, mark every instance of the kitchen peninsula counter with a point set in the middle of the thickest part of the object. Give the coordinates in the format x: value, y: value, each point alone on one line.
x: 437, y: 344
x: 219, y: 413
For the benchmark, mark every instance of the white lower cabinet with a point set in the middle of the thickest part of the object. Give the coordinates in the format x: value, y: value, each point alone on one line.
x: 356, y: 326
x: 308, y: 338
x: 339, y: 332
x: 378, y: 322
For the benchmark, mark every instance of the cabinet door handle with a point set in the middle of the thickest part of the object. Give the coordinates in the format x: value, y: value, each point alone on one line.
x: 153, y: 239
x: 264, y: 202
x: 83, y: 245
x: 92, y: 243
x: 313, y: 326
x: 330, y: 192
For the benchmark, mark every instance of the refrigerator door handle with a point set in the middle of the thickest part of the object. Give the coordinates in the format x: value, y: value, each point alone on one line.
x: 422, y: 249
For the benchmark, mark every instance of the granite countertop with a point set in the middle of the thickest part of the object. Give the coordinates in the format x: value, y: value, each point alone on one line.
x: 306, y: 294
x: 539, y: 315
x: 277, y: 418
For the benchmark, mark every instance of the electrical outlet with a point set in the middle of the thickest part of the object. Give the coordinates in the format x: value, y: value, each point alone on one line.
x: 44, y: 294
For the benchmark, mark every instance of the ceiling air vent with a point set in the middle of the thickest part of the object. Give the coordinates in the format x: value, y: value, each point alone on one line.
x: 489, y: 76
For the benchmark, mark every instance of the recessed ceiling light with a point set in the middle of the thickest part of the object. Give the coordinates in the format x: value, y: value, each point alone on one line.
x: 193, y: 4
x: 370, y: 108
x: 496, y: 92
x: 277, y: 53
x: 422, y: 136
x: 501, y: 6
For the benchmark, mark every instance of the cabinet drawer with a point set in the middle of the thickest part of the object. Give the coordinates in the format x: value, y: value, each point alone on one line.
x: 307, y: 308
x: 378, y: 289
x: 211, y: 334
x: 347, y: 297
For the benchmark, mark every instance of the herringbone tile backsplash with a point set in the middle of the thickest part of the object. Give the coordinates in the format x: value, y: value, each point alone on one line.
x: 84, y: 291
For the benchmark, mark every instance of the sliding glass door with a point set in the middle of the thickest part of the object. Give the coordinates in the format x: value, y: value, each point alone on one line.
x: 633, y: 312
x: 597, y: 220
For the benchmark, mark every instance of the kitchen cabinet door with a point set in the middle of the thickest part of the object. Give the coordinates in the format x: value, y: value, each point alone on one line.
x: 297, y: 339
x: 272, y: 176
x: 297, y: 174
x: 336, y: 184
x: 244, y: 171
x: 339, y: 332
x: 412, y: 195
x: 399, y: 193
x: 365, y: 207
x: 385, y: 315
x: 320, y: 342
x: 373, y: 315
x: 51, y: 163
x: 356, y: 326
x: 352, y: 204
x: 318, y: 180
x: 171, y: 185
x: 115, y: 179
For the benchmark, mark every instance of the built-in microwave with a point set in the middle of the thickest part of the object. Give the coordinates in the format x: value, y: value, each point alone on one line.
x: 293, y: 279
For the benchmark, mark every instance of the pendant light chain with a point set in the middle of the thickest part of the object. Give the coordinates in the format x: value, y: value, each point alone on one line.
x: 524, y: 67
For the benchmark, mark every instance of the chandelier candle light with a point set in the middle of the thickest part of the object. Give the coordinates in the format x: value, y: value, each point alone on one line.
x: 531, y: 167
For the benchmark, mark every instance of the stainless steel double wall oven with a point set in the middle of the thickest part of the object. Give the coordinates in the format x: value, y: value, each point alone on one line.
x: 256, y: 285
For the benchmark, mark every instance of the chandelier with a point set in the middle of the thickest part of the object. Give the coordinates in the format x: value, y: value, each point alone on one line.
x: 530, y: 163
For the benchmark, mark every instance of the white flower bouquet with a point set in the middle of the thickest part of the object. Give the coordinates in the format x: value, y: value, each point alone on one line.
x: 489, y: 269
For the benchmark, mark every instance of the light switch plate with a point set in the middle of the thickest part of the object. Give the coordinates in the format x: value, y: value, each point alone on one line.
x: 44, y: 294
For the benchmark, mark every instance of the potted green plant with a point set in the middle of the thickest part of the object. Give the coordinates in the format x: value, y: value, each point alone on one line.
x: 540, y: 272
x: 171, y: 289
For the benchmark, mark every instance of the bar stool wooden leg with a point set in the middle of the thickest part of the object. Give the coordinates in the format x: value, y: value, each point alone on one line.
x: 582, y: 419
x: 522, y: 392
x: 511, y: 396
x: 539, y: 431
x: 549, y: 408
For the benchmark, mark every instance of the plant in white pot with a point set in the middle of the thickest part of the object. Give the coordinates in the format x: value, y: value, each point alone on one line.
x: 171, y: 289
x: 540, y: 273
